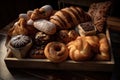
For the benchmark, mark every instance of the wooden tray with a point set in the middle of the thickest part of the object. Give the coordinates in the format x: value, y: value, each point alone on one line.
x: 67, y: 65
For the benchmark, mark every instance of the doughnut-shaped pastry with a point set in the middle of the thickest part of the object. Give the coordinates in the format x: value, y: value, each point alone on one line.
x: 56, y: 52
x: 104, y: 48
x: 79, y: 49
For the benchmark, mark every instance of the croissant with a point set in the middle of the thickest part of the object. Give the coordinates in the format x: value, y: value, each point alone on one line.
x: 43, y: 13
x: 103, y: 47
x: 69, y: 17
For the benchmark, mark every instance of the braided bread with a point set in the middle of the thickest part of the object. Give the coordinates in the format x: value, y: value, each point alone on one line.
x: 79, y: 49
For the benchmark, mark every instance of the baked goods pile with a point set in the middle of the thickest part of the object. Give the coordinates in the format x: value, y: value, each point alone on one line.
x: 67, y: 34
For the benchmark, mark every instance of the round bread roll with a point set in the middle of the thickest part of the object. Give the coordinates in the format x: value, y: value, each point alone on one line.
x: 66, y: 36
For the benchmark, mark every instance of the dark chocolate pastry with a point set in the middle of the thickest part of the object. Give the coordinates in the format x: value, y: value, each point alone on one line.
x: 41, y: 38
x: 86, y: 28
x: 37, y: 52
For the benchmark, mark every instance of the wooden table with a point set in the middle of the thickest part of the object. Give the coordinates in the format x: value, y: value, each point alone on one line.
x: 43, y: 74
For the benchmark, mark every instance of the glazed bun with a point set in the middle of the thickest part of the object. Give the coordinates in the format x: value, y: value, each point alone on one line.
x: 66, y: 36
x: 45, y: 26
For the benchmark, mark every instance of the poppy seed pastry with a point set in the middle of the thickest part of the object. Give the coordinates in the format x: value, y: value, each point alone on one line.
x: 86, y: 28
x: 37, y: 52
x: 20, y: 45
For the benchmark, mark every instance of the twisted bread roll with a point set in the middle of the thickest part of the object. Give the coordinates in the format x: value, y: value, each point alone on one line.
x: 94, y: 43
x: 79, y: 49
x: 104, y: 48
x: 69, y: 17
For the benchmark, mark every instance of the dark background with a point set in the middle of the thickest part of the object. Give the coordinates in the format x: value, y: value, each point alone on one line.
x: 10, y: 9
